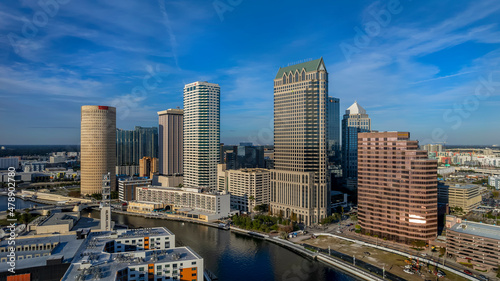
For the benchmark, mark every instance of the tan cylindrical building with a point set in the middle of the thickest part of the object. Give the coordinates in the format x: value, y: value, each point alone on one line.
x: 98, y: 147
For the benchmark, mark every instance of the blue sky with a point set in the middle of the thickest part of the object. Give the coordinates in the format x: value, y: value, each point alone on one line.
x: 428, y: 67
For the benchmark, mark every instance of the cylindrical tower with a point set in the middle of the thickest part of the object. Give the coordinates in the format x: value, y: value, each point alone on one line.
x: 98, y: 147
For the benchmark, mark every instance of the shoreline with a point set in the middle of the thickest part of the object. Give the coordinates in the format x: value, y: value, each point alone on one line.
x: 344, y: 267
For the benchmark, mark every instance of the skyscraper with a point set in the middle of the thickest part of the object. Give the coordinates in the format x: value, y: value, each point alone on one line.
x: 148, y: 167
x: 132, y: 145
x: 170, y: 141
x: 333, y: 142
x: 355, y: 121
x: 98, y: 147
x: 299, y: 182
x: 397, y: 188
x: 201, y: 134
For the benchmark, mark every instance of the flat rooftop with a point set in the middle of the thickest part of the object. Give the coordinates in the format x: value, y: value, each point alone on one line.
x: 67, y: 247
x: 60, y: 218
x: 478, y: 229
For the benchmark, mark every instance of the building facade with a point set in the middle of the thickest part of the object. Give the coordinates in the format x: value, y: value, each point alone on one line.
x: 126, y: 187
x: 98, y: 147
x: 397, y: 188
x: 190, y: 202
x: 467, y: 197
x: 299, y: 183
x: 494, y: 181
x: 248, y: 187
x: 355, y: 121
x: 333, y: 142
x: 170, y: 141
x: 474, y: 243
x: 201, y: 134
x: 133, y: 145
x: 148, y: 167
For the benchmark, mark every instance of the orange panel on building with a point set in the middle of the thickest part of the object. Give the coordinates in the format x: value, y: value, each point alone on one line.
x: 146, y: 243
x: 187, y: 273
x: 19, y: 277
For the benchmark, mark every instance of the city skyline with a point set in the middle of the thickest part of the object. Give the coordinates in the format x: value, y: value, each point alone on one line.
x: 428, y: 69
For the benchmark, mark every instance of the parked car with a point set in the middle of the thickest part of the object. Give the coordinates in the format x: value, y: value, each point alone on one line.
x: 467, y: 272
x: 482, y: 277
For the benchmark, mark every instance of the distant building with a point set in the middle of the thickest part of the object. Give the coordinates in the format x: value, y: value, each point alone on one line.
x: 337, y: 200
x: 57, y: 159
x: 7, y: 162
x: 201, y: 134
x: 397, y: 188
x: 494, y: 181
x: 171, y: 141
x: 148, y: 167
x: 472, y: 242
x: 98, y: 147
x: 189, y: 202
x: 133, y: 145
x: 127, y: 170
x: 468, y: 197
x: 436, y: 148
x: 246, y: 155
x: 126, y: 187
x: 355, y: 121
x: 248, y: 187
x: 299, y: 184
x: 333, y: 140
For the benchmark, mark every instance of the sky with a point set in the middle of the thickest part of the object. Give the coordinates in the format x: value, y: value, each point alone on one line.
x: 427, y: 67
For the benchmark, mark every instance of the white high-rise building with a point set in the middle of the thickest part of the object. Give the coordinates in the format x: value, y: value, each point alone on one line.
x: 201, y: 134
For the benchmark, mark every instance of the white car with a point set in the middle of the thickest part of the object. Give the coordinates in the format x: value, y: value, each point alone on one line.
x: 409, y: 271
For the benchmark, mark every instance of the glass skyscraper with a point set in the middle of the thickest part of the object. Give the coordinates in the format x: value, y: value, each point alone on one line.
x: 355, y: 121
x: 133, y: 145
x: 333, y: 139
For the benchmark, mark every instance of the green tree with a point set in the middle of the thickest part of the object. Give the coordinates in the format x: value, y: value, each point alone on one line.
x: 293, y: 216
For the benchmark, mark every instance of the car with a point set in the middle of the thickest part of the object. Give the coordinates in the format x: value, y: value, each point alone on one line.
x: 409, y: 271
x: 482, y: 277
x: 467, y: 272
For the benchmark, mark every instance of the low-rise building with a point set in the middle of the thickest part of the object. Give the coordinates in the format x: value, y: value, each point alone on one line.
x: 141, y: 254
x: 473, y: 243
x: 126, y: 187
x: 189, y: 202
x: 144, y: 207
x: 468, y: 197
x: 248, y: 187
x: 61, y: 223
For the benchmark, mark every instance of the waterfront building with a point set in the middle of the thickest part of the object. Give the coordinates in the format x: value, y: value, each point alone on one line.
x: 248, y: 187
x: 171, y: 141
x: 473, y: 243
x: 126, y: 187
x: 98, y: 147
x: 355, y: 121
x: 397, y: 188
x: 133, y: 145
x: 138, y: 254
x: 189, y: 202
x: 201, y: 134
x: 148, y: 167
x: 467, y: 197
x: 299, y: 183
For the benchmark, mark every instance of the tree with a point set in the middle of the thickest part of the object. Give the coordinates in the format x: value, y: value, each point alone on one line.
x: 180, y: 185
x: 293, y: 216
x: 114, y: 194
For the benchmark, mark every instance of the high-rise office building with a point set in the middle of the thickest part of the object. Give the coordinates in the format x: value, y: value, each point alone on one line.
x: 201, y: 134
x: 132, y: 145
x: 355, y: 121
x: 299, y: 182
x: 333, y: 140
x: 170, y: 141
x: 397, y: 188
x: 98, y: 147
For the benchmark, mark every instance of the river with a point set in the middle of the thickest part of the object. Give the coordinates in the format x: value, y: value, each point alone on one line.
x: 20, y: 204
x: 234, y: 256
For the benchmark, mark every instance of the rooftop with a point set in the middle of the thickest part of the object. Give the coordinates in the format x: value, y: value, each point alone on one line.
x: 478, y: 229
x: 355, y: 108
x: 60, y: 218
x: 308, y: 66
